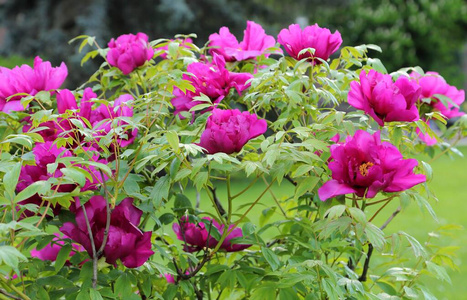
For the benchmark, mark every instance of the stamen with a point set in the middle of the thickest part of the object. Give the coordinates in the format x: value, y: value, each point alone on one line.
x: 365, y: 167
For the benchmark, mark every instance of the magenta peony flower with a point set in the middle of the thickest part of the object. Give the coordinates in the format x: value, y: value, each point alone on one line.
x: 433, y: 84
x: 295, y: 40
x: 255, y: 42
x: 365, y: 165
x: 212, y: 80
x: 50, y: 251
x: 229, y: 130
x: 24, y: 79
x: 198, y: 236
x: 383, y: 99
x: 129, y: 51
x: 125, y: 241
x: 183, y: 43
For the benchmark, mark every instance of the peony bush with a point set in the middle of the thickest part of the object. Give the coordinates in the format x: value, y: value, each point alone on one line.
x: 156, y: 178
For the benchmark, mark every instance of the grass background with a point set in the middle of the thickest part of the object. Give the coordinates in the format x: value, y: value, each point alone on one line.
x: 449, y: 184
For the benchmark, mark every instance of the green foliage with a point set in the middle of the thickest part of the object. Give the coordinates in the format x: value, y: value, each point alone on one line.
x: 301, y: 247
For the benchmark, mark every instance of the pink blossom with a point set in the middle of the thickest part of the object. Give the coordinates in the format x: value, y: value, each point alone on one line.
x: 125, y: 240
x: 50, y: 251
x: 295, y: 40
x: 129, y: 51
x: 365, y: 165
x: 433, y: 84
x: 255, y: 42
x: 199, y: 236
x: 24, y: 79
x: 210, y: 79
x: 383, y: 99
x: 183, y: 43
x: 229, y: 130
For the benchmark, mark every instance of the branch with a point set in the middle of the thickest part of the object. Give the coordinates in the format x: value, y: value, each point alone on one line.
x: 367, y: 263
x: 93, y: 247
x: 395, y: 213
x: 8, y: 295
x: 290, y: 179
x: 217, y: 202
x: 107, y: 224
x: 14, y: 288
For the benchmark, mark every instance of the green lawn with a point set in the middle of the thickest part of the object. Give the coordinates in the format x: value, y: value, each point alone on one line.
x: 449, y: 184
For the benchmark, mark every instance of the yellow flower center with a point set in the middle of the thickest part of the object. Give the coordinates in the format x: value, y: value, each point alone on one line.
x: 365, y: 167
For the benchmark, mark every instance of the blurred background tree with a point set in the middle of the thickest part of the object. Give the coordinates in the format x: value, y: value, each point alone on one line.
x: 430, y: 34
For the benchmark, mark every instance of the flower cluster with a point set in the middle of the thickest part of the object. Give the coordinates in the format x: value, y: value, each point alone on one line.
x: 124, y: 242
x: 198, y: 236
x: 120, y: 150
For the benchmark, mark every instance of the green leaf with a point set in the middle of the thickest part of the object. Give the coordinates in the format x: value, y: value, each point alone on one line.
x: 271, y: 258
x: 182, y: 204
x: 123, y: 286
x: 95, y: 295
x: 306, y: 185
x: 248, y: 228
x: 423, y: 203
x: 417, y: 248
x: 75, y: 174
x: 288, y: 294
x: 62, y: 256
x: 200, y: 180
x: 83, y: 295
x: 438, y: 271
x: 55, y: 281
x: 35, y: 188
x: 172, y: 139
x: 375, y: 236
x: 170, y: 292
x: 263, y: 293
x: 160, y: 190
x: 335, y: 212
x: 10, y: 180
x: 11, y: 257
x: 357, y: 214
